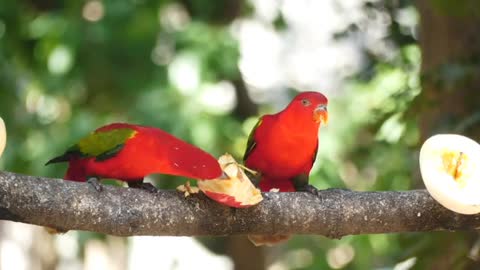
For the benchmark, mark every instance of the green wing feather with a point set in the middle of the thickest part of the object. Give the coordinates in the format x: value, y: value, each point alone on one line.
x: 104, y: 142
x: 251, y: 143
x: 101, y: 144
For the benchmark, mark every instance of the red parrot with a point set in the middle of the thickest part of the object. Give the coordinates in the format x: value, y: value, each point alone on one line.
x: 130, y: 152
x: 282, y: 147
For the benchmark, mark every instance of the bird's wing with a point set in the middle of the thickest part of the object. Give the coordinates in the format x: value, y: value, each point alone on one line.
x: 101, y: 144
x: 251, y: 143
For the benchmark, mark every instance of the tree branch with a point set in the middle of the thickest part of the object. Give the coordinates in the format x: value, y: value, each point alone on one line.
x: 127, y: 211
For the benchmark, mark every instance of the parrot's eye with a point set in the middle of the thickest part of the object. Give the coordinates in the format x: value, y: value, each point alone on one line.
x: 306, y: 102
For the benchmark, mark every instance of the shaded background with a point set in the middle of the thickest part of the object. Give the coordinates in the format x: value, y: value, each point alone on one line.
x: 395, y: 73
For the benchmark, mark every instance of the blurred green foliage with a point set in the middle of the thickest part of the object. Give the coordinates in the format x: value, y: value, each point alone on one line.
x: 63, y: 76
x: 65, y: 71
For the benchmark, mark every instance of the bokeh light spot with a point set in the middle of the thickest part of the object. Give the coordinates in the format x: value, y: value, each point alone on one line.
x: 60, y: 60
x: 93, y: 11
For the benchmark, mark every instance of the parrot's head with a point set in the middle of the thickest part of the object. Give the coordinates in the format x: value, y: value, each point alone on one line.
x: 311, y: 105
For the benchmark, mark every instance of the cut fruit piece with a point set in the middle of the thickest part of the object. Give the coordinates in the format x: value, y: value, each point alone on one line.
x: 450, y: 167
x: 3, y: 136
x: 233, y: 188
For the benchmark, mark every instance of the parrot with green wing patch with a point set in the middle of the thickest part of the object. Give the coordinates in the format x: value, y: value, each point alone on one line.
x: 282, y: 148
x: 130, y: 152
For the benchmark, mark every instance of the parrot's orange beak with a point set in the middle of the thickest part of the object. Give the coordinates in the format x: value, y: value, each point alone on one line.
x: 320, y: 114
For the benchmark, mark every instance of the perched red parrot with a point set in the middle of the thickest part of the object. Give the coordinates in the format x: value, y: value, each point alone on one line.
x: 282, y: 147
x: 130, y: 152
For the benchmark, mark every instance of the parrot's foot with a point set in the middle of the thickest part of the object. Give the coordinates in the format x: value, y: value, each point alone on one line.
x: 95, y: 183
x: 145, y: 186
x: 311, y: 189
x: 267, y: 195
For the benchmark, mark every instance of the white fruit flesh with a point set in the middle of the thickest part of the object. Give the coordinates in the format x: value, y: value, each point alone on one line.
x: 449, y: 165
x: 235, y: 185
x: 3, y: 136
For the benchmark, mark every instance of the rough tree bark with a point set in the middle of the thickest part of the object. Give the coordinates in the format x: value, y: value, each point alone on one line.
x: 126, y: 211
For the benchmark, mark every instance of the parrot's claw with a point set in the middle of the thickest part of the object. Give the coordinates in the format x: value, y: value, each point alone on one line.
x: 267, y: 194
x: 145, y: 186
x: 312, y: 190
x: 95, y: 183
x: 149, y: 187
